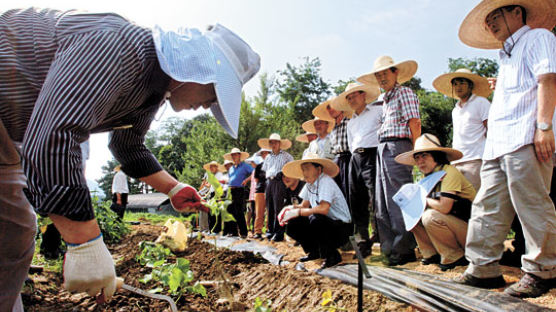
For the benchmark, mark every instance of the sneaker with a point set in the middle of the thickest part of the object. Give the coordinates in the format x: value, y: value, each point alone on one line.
x: 434, y: 259
x: 448, y: 266
x: 529, y: 286
x: 488, y: 283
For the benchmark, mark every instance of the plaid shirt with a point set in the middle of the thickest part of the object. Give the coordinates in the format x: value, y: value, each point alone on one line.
x: 338, y: 137
x: 400, y: 105
x: 273, y: 163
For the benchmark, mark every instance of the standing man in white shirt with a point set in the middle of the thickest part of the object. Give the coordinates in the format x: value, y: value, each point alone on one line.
x: 120, y: 190
x: 362, y: 132
x: 517, y: 162
x: 322, y: 145
x: 469, y: 117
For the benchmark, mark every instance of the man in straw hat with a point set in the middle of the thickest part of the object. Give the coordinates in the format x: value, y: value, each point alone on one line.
x: 338, y: 140
x: 517, y: 162
x: 97, y: 72
x: 469, y: 117
x: 401, y: 126
x: 259, y: 177
x: 321, y: 222
x: 362, y: 136
x: 441, y: 232
x: 322, y: 128
x: 207, y: 190
x: 275, y: 188
x: 306, y: 137
x: 120, y: 191
x: 238, y: 173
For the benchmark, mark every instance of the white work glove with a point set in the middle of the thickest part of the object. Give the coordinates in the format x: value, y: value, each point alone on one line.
x: 184, y: 198
x: 89, y: 268
x: 287, y: 214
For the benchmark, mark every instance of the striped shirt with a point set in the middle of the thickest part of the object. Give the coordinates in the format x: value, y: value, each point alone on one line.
x: 64, y: 75
x: 513, y: 113
x: 273, y: 163
x: 400, y: 105
x: 338, y: 137
x: 321, y: 147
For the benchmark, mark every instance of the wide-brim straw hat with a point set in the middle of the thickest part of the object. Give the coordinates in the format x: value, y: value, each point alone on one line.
x: 304, y: 138
x: 235, y: 150
x: 265, y: 143
x: 443, y: 83
x: 309, y: 125
x: 341, y: 103
x: 262, y: 150
x: 227, y: 162
x: 321, y: 111
x: 293, y: 168
x: 406, y: 70
x: 214, y: 163
x: 474, y: 32
x: 426, y: 143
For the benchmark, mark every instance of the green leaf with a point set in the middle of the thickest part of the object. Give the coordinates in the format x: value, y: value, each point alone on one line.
x: 156, y: 290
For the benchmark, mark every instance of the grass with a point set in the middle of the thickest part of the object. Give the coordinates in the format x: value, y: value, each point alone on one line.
x: 152, y: 218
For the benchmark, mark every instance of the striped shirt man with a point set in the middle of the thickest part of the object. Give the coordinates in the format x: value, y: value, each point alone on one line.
x: 64, y: 75
x: 339, y: 137
x: 513, y: 113
x: 400, y: 105
x: 273, y: 163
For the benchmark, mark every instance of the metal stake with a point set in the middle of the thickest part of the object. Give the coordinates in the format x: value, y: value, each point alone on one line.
x: 361, y: 269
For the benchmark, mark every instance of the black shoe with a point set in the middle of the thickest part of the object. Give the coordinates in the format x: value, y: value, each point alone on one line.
x: 488, y: 283
x: 460, y: 262
x: 310, y: 256
x: 278, y: 238
x: 257, y: 236
x: 395, y: 260
x: 435, y: 259
x: 529, y: 286
x: 296, y: 244
x: 268, y: 235
x: 331, y: 260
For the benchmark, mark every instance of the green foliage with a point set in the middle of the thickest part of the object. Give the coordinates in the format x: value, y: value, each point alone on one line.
x: 328, y: 304
x: 261, y: 305
x: 105, y: 182
x: 151, y: 253
x: 217, y: 205
x: 112, y: 228
x: 436, y: 115
x: 414, y: 84
x: 480, y: 65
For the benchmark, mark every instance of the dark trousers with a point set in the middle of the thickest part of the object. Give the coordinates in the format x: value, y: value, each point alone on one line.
x: 275, y: 195
x: 119, y: 209
x: 237, y: 209
x: 362, y: 178
x: 342, y: 179
x: 318, y: 233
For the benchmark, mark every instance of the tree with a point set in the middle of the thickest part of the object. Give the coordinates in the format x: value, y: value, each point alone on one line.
x: 436, y: 115
x: 482, y: 66
x: 414, y: 84
x: 105, y: 182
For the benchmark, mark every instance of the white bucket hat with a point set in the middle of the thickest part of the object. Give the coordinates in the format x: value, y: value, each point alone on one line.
x: 473, y: 31
x: 293, y: 168
x: 218, y: 56
x: 256, y: 159
x: 265, y: 143
x: 406, y: 70
x: 341, y: 103
x: 243, y: 155
x: 309, y: 125
x: 443, y: 83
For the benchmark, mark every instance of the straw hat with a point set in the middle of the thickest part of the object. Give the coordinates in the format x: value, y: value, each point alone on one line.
x: 425, y: 143
x: 443, y: 83
x: 304, y: 138
x: 262, y: 150
x: 406, y: 70
x: 321, y: 111
x: 227, y: 162
x: 265, y: 143
x: 341, y: 103
x: 293, y: 168
x: 309, y: 125
x: 235, y: 150
x: 473, y: 31
x: 214, y: 163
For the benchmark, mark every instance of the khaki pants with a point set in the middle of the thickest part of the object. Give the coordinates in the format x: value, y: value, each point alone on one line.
x: 471, y: 170
x: 260, y: 207
x: 17, y: 226
x: 441, y: 233
x: 516, y: 183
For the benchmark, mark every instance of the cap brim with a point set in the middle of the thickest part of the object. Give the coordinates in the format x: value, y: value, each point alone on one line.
x: 228, y: 91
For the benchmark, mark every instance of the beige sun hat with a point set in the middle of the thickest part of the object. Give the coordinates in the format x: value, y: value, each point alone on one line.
x: 406, y: 70
x: 341, y: 103
x: 265, y: 143
x: 293, y: 168
x: 304, y: 138
x: 235, y: 150
x: 214, y: 163
x: 321, y: 111
x: 227, y: 162
x: 309, y: 125
x: 426, y: 143
x: 473, y: 31
x: 443, y: 83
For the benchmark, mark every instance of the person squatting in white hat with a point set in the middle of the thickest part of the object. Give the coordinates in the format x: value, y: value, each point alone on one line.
x: 97, y: 73
x: 517, y: 161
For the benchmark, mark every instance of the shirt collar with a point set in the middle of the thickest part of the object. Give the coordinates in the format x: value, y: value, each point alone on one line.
x: 470, y: 99
x: 390, y: 94
x: 314, y: 184
x: 511, y: 41
x: 280, y: 152
x: 362, y: 112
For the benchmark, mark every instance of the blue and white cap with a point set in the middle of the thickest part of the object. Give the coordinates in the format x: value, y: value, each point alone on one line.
x: 217, y: 56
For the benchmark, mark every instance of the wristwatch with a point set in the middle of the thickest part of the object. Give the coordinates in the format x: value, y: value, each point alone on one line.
x: 543, y: 126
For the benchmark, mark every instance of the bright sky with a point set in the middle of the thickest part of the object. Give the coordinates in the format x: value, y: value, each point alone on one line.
x: 346, y: 35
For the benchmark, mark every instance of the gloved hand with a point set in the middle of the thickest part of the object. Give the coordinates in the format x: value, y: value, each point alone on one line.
x: 184, y: 198
x: 287, y: 214
x: 89, y: 267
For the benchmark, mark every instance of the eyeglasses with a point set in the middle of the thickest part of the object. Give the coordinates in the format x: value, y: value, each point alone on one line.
x: 419, y: 156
